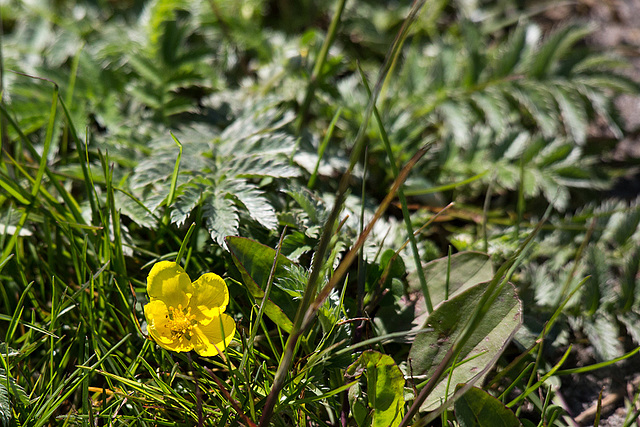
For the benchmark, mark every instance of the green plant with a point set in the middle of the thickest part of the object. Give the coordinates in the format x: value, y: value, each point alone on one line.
x: 215, y: 135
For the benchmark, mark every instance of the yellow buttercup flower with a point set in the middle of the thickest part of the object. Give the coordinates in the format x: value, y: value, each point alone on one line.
x: 185, y: 316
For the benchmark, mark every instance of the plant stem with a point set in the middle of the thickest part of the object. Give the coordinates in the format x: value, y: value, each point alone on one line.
x: 316, y: 74
x: 403, y: 202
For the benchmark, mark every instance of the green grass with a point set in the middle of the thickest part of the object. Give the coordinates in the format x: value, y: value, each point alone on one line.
x: 406, y: 214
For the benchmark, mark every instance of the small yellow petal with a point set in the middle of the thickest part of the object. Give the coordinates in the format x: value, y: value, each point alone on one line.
x: 168, y: 282
x: 210, y: 297
x: 214, y: 337
x: 159, y: 327
x: 181, y: 344
x: 158, y: 324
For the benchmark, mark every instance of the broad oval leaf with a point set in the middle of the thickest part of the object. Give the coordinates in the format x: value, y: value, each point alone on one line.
x: 385, y: 387
x: 448, y: 321
x: 467, y: 269
x: 477, y: 408
x: 254, y: 260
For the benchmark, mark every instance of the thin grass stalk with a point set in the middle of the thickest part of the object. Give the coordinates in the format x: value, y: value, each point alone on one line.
x: 445, y: 187
x: 71, y: 204
x: 485, y: 215
x: 263, y: 303
x: 174, y: 180
x: 462, y: 390
x: 383, y: 278
x: 73, y: 74
x: 361, y: 267
x: 348, y: 259
x: 311, y: 287
x: 539, y: 341
x: 4, y: 130
x: 236, y: 405
x: 83, y: 165
x: 545, y: 377
x: 576, y: 260
x: 520, y: 206
x: 316, y: 74
x: 38, y: 180
x: 323, y: 147
x: 403, y: 200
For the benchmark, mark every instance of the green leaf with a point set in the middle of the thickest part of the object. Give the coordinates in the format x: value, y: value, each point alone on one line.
x: 221, y: 217
x: 404, y: 313
x: 448, y: 321
x: 253, y: 200
x: 5, y: 403
x: 494, y: 108
x: 254, y: 260
x: 597, y: 268
x: 457, y: 117
x: 467, y: 269
x: 537, y: 101
x: 573, y: 113
x: 477, y: 408
x: 385, y: 387
x: 260, y: 164
x: 188, y: 198
x: 509, y: 59
x: 14, y: 190
x: 358, y: 406
x: 603, y: 332
x: 554, y: 48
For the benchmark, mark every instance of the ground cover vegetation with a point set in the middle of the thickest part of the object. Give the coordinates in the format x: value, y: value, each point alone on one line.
x: 409, y: 206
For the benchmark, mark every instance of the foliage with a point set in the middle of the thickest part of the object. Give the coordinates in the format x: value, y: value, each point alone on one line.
x: 235, y: 137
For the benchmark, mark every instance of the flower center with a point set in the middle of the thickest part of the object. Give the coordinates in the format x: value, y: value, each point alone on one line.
x: 181, y: 322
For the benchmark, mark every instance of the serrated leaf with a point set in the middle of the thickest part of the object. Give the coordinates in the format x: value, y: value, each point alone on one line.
x: 511, y: 56
x: 604, y: 107
x: 5, y: 403
x: 592, y: 290
x: 259, y: 165
x: 554, y: 48
x: 534, y: 98
x: 253, y: 200
x: 457, y: 118
x: 146, y: 68
x: 552, y: 153
x: 477, y: 408
x: 573, y: 113
x: 494, y: 107
x: 631, y: 320
x: 132, y: 209
x: 629, y: 282
x: 312, y: 206
x: 551, y: 189
x: 221, y: 217
x: 628, y: 225
x: 188, y: 198
x: 448, y: 321
x: 603, y: 334
x: 385, y: 387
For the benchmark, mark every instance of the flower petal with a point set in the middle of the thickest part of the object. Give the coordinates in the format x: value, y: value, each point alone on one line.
x: 214, y: 337
x: 167, y: 281
x: 159, y: 327
x: 210, y: 297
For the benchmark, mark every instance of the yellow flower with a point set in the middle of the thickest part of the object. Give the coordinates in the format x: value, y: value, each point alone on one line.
x: 185, y: 316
